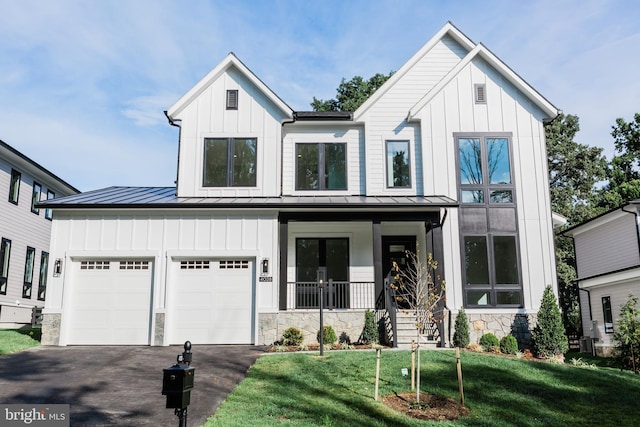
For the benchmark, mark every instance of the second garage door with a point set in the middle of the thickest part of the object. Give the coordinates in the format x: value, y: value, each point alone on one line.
x: 212, y: 302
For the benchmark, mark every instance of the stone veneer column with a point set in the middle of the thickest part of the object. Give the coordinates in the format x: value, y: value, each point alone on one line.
x: 51, y: 328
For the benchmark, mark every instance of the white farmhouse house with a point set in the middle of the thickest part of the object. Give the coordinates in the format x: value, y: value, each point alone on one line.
x: 447, y: 157
x: 25, y: 232
x: 607, y: 250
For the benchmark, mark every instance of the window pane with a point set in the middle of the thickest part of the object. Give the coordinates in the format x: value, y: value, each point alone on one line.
x: 14, y: 188
x: 48, y: 213
x: 398, y: 172
x: 35, y: 198
x: 307, y: 259
x: 335, y: 166
x: 337, y: 259
x: 501, y: 196
x: 244, y: 162
x: 498, y: 161
x: 307, y: 173
x: 42, y: 282
x: 216, y: 155
x: 476, y: 264
x: 472, y: 196
x: 608, y: 316
x: 470, y: 161
x: 506, y: 260
x: 508, y: 297
x: 478, y: 297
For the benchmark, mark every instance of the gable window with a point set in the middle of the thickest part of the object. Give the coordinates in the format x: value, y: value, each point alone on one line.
x: 485, y: 170
x: 321, y: 166
x: 232, y: 99
x: 5, y: 252
x: 14, y: 186
x: 48, y: 213
x: 608, y: 315
x: 35, y: 197
x: 398, y: 166
x: 28, y: 272
x: 42, y: 278
x: 230, y: 162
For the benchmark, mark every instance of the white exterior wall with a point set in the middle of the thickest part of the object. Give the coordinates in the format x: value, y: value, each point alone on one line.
x: 207, y: 116
x: 160, y: 236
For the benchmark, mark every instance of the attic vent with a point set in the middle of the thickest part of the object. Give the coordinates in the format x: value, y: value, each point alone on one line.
x: 194, y: 265
x: 134, y: 265
x: 94, y: 265
x: 232, y: 100
x: 480, y: 93
x: 234, y: 264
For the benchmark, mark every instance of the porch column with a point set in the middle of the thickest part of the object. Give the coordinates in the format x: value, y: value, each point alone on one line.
x: 377, y: 258
x: 435, y: 246
x: 284, y: 246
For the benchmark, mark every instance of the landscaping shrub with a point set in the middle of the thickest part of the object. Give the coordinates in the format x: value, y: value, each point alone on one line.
x: 489, y: 340
x: 461, y: 334
x: 292, y: 336
x: 627, y: 335
x: 548, y: 337
x: 509, y: 344
x: 344, y: 339
x: 370, y: 331
x: 476, y: 348
x: 329, y: 335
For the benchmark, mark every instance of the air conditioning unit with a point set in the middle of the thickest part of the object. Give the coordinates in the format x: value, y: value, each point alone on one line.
x: 586, y: 345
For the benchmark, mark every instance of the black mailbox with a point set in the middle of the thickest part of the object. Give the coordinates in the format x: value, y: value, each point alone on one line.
x: 177, y: 384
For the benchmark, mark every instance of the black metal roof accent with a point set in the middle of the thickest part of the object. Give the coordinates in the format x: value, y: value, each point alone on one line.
x: 323, y: 115
x: 165, y: 198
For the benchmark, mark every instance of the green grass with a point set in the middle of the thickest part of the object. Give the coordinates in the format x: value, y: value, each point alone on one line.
x: 13, y: 340
x: 338, y: 389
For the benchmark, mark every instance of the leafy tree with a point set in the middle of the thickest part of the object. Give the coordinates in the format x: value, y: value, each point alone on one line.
x: 627, y: 335
x: 351, y: 94
x: 461, y: 334
x: 548, y: 337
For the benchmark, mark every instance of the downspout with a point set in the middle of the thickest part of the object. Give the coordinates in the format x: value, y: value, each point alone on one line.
x: 635, y: 212
x: 173, y: 123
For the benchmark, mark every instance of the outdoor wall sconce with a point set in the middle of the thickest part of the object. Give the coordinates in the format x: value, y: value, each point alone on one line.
x: 57, y: 267
x: 265, y: 265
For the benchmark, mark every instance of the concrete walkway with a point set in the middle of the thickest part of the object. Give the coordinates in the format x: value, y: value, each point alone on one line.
x: 121, y: 386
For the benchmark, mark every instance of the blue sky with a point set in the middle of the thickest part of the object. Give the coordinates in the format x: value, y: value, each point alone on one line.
x: 83, y: 84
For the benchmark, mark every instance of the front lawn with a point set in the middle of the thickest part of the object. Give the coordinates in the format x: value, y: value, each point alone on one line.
x: 338, y: 389
x: 13, y: 340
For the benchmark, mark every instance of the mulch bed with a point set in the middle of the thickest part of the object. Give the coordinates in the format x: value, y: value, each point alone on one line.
x: 431, y: 407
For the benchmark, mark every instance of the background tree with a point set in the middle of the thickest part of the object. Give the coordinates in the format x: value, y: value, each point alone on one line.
x: 351, y: 94
x: 627, y: 335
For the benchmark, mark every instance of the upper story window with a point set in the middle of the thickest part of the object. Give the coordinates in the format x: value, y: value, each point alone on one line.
x: 485, y: 170
x: 14, y: 186
x: 35, y: 197
x: 28, y: 272
x: 42, y: 279
x: 398, y: 165
x: 232, y: 99
x: 230, y: 162
x: 48, y: 213
x: 5, y: 252
x: 321, y: 166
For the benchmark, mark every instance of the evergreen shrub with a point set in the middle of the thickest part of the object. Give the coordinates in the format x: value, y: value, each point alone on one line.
x: 489, y: 340
x: 370, y: 331
x: 329, y: 335
x: 292, y: 336
x: 461, y: 334
x: 548, y: 338
x: 509, y: 344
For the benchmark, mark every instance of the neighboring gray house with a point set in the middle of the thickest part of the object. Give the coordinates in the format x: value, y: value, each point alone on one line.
x: 448, y: 157
x: 607, y: 250
x: 25, y: 232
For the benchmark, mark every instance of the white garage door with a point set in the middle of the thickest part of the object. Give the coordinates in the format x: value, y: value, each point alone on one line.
x: 212, y: 302
x: 110, y: 302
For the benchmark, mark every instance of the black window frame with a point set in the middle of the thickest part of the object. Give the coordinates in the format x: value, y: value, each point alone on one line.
x: 48, y: 212
x: 42, y: 275
x: 35, y: 197
x: 29, y: 267
x: 5, y: 263
x: 230, y: 141
x: 14, y: 186
x: 607, y: 314
x: 322, y: 166
x: 389, y: 168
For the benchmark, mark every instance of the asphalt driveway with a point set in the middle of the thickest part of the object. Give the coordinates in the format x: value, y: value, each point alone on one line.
x: 121, y: 385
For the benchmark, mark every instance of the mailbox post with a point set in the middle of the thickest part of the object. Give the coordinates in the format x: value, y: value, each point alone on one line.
x: 177, y: 383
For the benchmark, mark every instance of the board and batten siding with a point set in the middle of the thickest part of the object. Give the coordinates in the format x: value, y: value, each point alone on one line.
x: 160, y: 236
x: 207, y: 116
x: 609, y: 247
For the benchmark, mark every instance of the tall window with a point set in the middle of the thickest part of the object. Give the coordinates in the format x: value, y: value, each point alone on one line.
x: 230, y: 162
x: 398, y: 166
x: 14, y: 186
x: 321, y: 166
x: 485, y: 170
x: 42, y: 279
x: 35, y: 197
x: 608, y: 315
x: 5, y: 252
x: 48, y: 213
x: 28, y: 272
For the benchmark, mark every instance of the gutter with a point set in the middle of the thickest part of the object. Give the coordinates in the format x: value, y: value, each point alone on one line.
x: 173, y: 123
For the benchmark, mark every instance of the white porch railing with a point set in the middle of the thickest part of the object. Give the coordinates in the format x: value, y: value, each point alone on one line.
x: 337, y: 295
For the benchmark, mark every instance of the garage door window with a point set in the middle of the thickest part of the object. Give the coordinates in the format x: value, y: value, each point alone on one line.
x: 134, y: 265
x: 234, y: 264
x: 194, y: 265
x: 94, y: 265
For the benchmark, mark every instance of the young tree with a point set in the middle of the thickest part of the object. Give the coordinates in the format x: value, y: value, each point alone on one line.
x: 548, y: 337
x: 627, y: 335
x: 421, y: 290
x: 351, y: 94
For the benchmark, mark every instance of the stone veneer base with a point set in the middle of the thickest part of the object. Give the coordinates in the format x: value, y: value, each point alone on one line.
x: 272, y: 325
x: 51, y: 329
x: 501, y: 324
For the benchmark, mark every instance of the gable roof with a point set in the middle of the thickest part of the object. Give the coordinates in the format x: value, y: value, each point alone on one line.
x: 231, y: 60
x: 603, y: 218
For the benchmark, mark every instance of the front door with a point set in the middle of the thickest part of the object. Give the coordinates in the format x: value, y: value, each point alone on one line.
x: 394, y: 248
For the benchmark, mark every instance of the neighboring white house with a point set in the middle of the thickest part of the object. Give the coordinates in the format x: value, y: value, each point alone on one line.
x: 25, y: 233
x: 447, y: 157
x: 607, y: 251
